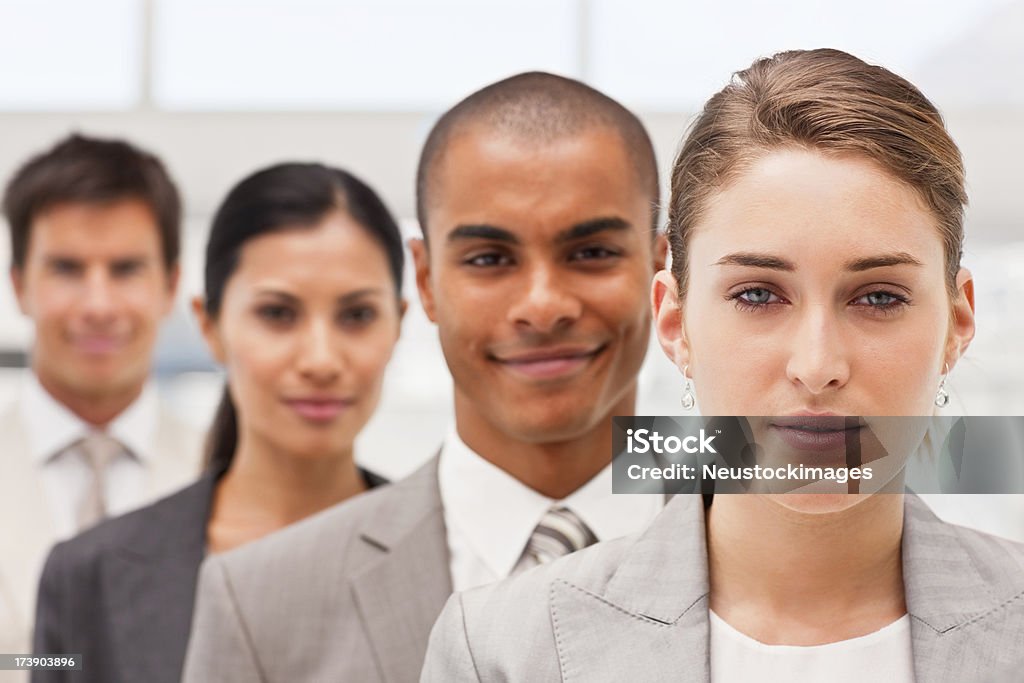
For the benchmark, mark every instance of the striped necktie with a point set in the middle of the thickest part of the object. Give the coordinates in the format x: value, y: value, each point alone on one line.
x: 559, y: 533
x: 99, y: 451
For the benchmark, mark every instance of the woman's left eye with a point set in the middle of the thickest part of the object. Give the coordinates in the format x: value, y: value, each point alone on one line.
x: 276, y: 314
x: 358, y: 316
x: 881, y: 299
x: 756, y: 297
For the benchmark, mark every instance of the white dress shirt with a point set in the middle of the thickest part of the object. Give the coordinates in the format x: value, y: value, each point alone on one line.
x: 884, y: 655
x: 489, y: 515
x: 66, y: 476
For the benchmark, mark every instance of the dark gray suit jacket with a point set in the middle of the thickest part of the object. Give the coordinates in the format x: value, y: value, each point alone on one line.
x: 636, y: 609
x: 121, y: 594
x: 349, y: 594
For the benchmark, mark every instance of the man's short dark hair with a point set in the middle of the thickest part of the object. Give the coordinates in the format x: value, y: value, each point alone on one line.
x: 539, y: 107
x: 81, y: 169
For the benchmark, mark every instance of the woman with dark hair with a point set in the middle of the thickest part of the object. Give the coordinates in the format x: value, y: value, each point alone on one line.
x: 304, y: 322
x: 302, y: 307
x: 816, y: 226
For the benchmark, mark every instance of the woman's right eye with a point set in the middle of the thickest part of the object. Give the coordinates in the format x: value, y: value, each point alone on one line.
x: 755, y: 298
x: 275, y: 313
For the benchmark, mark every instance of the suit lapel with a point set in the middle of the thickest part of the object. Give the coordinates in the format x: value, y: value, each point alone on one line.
x: 945, y: 591
x: 405, y: 579
x: 149, y: 583
x: 651, y: 616
x: 638, y: 623
x: 597, y: 640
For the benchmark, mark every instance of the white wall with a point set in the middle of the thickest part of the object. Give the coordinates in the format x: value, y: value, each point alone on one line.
x: 219, y: 88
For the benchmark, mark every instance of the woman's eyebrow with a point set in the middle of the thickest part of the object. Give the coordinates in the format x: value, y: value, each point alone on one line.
x: 756, y: 260
x: 772, y: 262
x: 364, y: 293
x: 270, y: 291
x: 900, y: 258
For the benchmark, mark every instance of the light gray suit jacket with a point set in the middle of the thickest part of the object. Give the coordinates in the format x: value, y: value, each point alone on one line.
x: 636, y: 609
x: 347, y: 595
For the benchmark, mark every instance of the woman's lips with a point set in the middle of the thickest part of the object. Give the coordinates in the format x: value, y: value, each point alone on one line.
x: 825, y: 433
x: 318, y: 410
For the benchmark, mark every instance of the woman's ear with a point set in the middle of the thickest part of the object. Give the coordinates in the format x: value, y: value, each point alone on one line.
x: 961, y: 329
x: 208, y: 328
x: 668, y: 318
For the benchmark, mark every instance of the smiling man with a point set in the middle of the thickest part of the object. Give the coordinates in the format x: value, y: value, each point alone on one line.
x: 538, y: 241
x: 538, y: 200
x: 94, y: 243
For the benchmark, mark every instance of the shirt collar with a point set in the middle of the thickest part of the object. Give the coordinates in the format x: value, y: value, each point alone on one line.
x: 52, y: 427
x: 136, y: 426
x: 496, y: 513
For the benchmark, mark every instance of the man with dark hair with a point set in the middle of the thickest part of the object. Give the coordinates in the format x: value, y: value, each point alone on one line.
x: 95, y: 229
x: 537, y: 199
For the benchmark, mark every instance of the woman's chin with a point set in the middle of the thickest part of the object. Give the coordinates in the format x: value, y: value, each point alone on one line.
x: 818, y: 503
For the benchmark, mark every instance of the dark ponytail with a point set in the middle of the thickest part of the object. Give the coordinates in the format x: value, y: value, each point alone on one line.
x: 222, y: 438
x: 282, y: 197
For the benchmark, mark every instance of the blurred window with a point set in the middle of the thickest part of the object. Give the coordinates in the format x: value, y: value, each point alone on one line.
x: 326, y: 54
x: 672, y: 56
x: 70, y: 54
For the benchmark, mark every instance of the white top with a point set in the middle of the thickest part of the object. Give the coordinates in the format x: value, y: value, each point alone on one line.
x: 489, y: 515
x: 66, y: 476
x: 884, y: 655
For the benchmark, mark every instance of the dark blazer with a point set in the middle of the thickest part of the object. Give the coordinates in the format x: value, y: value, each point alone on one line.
x: 121, y: 594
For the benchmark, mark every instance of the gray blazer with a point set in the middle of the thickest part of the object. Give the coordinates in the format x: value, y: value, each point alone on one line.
x: 24, y: 545
x: 636, y: 609
x: 121, y: 593
x: 349, y: 594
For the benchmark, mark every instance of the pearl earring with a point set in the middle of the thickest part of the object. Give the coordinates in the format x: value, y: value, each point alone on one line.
x: 688, y: 400
x: 942, y: 396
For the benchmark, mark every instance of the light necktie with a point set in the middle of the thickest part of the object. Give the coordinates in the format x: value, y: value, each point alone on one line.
x: 559, y: 533
x: 99, y: 451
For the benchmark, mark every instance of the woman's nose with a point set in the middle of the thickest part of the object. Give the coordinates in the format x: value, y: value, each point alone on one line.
x: 817, y: 356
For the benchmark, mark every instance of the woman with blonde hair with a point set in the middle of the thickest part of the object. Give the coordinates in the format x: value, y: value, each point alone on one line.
x: 816, y: 226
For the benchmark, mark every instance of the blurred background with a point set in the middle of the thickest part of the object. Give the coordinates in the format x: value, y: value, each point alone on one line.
x: 219, y: 88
